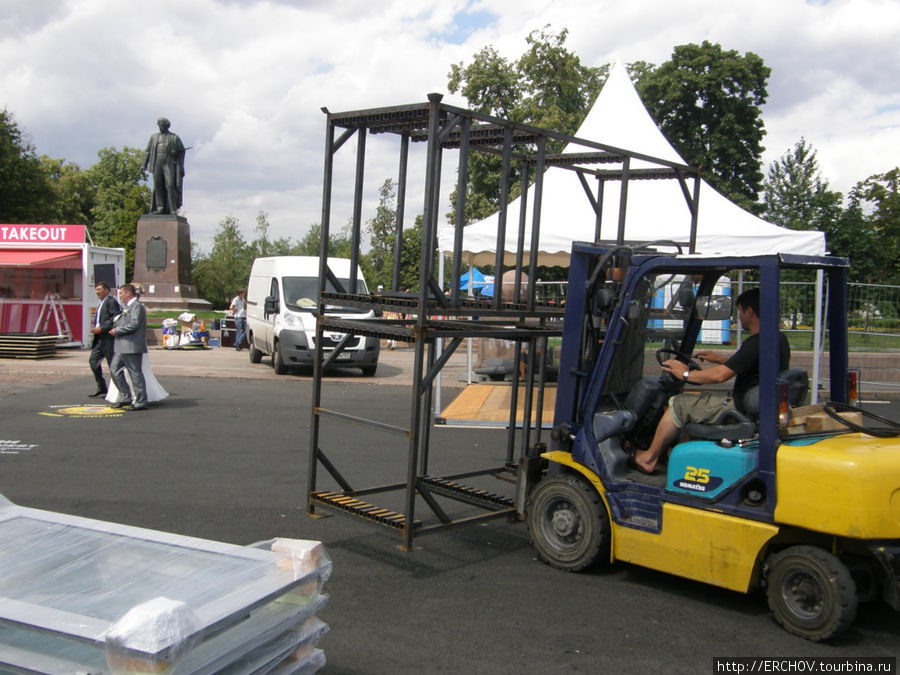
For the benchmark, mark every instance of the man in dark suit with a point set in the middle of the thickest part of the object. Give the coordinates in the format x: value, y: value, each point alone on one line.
x: 102, y: 342
x: 130, y: 330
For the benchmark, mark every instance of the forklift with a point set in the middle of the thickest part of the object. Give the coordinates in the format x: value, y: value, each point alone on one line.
x: 752, y: 501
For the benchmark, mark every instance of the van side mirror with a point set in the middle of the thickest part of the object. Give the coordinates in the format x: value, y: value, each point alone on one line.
x: 271, y: 305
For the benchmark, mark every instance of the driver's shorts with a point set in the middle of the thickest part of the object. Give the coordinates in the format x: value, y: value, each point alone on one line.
x: 699, y: 408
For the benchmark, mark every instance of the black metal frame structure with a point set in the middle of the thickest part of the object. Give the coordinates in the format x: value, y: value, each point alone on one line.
x: 446, y: 319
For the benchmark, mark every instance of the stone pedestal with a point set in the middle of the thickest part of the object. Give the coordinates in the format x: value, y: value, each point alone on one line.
x: 162, y: 263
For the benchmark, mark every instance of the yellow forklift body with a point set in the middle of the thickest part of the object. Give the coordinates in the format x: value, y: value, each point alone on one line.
x: 697, y: 544
x: 847, y: 485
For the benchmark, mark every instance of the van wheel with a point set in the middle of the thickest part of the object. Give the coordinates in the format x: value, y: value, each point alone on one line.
x: 255, y: 354
x: 811, y: 592
x: 278, y: 361
x: 369, y: 371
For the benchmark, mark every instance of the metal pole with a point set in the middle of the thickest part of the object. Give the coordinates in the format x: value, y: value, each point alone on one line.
x: 357, y: 207
x: 317, y: 365
x: 401, y: 209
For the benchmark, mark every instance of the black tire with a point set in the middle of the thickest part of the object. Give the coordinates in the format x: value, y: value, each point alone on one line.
x: 811, y: 592
x: 255, y: 354
x: 568, y: 523
x: 369, y: 371
x: 278, y: 363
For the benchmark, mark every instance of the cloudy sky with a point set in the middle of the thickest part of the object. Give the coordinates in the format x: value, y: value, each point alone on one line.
x: 243, y: 81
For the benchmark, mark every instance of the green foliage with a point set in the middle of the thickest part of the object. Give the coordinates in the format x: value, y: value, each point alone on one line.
x: 882, y: 193
x: 119, y: 200
x: 411, y: 256
x: 339, y: 243
x: 26, y: 193
x: 74, y: 194
x: 382, y: 229
x: 263, y: 247
x: 219, y: 274
x: 707, y: 103
x: 795, y: 194
x: 547, y: 86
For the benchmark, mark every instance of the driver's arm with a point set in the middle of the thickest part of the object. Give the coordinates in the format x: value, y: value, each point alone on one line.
x: 714, y: 375
x: 712, y: 357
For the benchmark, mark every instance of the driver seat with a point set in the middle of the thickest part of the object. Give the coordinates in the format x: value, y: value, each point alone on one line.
x: 733, y: 425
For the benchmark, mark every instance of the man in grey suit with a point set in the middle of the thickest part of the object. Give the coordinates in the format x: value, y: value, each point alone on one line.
x: 130, y: 329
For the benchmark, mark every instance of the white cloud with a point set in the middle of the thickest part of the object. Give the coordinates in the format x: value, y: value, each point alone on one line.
x: 243, y: 81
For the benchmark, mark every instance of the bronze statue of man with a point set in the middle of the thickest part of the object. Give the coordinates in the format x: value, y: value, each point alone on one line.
x: 165, y: 161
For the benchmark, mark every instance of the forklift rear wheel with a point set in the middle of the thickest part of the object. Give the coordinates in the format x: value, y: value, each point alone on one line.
x: 255, y: 354
x: 568, y: 523
x: 811, y: 592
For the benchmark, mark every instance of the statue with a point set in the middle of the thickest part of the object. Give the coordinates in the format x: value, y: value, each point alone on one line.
x: 165, y: 160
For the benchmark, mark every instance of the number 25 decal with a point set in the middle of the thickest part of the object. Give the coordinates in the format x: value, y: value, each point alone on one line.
x: 696, y: 475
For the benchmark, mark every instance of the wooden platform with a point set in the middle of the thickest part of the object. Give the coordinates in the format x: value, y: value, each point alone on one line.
x: 27, y: 345
x: 488, y: 405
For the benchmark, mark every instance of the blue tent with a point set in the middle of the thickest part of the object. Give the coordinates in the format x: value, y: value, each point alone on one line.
x: 478, y: 281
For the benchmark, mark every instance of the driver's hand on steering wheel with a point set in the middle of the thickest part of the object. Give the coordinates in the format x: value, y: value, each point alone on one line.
x: 674, y: 367
x: 712, y: 357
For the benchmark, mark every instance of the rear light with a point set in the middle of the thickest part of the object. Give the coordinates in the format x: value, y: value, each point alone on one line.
x: 853, y: 377
x: 782, y: 389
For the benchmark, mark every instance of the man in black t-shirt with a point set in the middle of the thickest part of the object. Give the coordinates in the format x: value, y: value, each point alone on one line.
x: 743, y: 365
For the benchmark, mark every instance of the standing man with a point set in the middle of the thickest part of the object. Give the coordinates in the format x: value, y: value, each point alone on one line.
x: 102, y: 342
x: 131, y: 344
x: 164, y: 158
x: 239, y: 307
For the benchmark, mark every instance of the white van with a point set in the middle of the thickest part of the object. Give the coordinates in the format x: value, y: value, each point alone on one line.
x: 281, y: 314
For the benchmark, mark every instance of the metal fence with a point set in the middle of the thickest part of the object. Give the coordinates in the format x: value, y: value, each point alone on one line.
x: 873, y: 311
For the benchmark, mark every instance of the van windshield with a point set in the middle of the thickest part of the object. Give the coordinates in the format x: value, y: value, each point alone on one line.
x: 300, y: 294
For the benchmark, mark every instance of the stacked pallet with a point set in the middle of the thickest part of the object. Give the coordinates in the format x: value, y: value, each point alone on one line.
x: 27, y: 345
x: 79, y: 595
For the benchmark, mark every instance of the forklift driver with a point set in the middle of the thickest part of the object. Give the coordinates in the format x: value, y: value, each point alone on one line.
x: 706, y: 407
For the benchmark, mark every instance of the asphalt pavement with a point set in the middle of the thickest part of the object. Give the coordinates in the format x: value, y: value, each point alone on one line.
x: 225, y: 458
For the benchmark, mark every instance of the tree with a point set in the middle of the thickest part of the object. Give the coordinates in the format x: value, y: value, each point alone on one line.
x: 707, y: 103
x: 26, y: 193
x: 74, y: 193
x: 262, y: 246
x: 339, y: 243
x: 882, y: 192
x: 382, y: 229
x: 411, y: 256
x: 120, y: 199
x: 219, y: 274
x: 853, y: 236
x: 795, y: 194
x: 547, y: 86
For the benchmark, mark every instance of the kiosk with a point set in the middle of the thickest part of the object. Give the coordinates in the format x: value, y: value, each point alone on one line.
x: 47, y: 279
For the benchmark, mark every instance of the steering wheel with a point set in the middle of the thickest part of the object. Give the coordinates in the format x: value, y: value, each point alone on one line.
x: 687, y: 359
x: 832, y: 408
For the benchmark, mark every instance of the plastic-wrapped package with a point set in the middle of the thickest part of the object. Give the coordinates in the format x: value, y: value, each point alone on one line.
x: 160, y: 626
x: 90, y: 596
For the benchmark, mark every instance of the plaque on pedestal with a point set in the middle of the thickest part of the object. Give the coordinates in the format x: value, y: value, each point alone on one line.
x: 162, y: 263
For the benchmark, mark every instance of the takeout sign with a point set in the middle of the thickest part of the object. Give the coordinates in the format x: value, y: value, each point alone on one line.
x: 42, y: 234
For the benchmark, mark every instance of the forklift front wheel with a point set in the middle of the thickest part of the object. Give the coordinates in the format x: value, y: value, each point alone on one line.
x: 568, y: 523
x: 811, y: 592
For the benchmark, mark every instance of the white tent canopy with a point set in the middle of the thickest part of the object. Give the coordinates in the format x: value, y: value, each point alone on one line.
x: 655, y: 209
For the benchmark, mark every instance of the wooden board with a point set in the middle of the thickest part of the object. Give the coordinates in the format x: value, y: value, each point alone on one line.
x: 813, y: 419
x: 491, y: 402
x: 27, y: 345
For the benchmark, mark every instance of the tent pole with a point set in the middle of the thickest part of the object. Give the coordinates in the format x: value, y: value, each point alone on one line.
x: 469, y: 340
